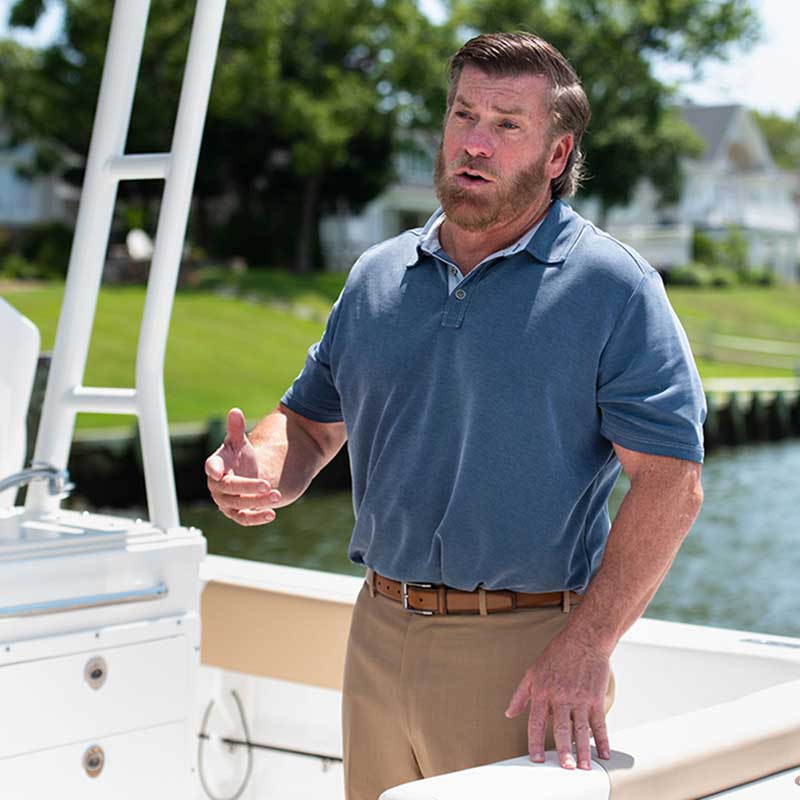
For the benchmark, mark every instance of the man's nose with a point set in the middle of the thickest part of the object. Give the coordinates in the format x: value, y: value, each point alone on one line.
x: 478, y: 143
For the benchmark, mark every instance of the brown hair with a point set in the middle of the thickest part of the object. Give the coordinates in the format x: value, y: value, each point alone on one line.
x: 520, y: 53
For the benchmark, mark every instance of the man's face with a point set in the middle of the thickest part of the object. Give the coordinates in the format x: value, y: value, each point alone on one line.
x: 495, y: 159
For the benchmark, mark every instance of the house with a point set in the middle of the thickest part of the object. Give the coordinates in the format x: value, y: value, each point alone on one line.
x: 406, y: 203
x: 734, y: 182
x: 25, y: 202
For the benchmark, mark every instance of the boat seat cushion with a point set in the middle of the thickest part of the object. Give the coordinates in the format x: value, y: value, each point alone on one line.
x: 18, y: 356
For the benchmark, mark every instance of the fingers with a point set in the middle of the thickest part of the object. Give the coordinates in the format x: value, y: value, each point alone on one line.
x: 215, y: 467
x: 581, y: 730
x: 562, y: 733
x: 569, y: 722
x: 250, y: 517
x: 237, y: 485
x: 597, y: 719
x: 247, y: 501
x: 537, y: 728
x: 236, y: 428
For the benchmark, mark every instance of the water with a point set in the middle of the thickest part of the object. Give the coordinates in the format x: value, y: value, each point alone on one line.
x: 738, y: 568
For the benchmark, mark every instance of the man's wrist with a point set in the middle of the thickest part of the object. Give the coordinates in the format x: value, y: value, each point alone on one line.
x: 598, y: 635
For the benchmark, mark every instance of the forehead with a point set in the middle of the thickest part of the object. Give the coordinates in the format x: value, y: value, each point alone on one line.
x: 526, y: 94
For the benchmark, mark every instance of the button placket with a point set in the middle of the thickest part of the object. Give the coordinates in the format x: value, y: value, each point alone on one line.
x: 456, y: 307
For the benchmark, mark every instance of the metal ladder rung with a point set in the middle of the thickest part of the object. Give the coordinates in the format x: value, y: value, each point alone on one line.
x: 95, y: 400
x: 142, y: 166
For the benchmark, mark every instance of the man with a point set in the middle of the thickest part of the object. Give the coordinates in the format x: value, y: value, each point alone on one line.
x: 490, y: 373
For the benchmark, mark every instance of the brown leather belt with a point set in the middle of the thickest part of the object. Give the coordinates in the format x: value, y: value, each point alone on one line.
x: 434, y: 598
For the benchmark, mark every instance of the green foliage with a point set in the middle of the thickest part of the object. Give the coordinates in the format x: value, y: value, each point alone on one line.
x: 38, y: 251
x: 48, y: 246
x: 693, y: 274
x: 15, y: 267
x: 310, y: 98
x: 757, y: 276
x: 733, y: 251
x: 26, y: 13
x: 704, y: 248
x: 783, y: 138
x: 306, y: 103
x: 722, y: 277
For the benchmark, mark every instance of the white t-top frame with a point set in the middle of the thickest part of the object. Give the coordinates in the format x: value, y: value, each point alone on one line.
x: 107, y: 164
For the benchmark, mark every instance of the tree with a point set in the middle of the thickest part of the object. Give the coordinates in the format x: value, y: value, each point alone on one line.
x: 634, y: 131
x: 307, y: 101
x: 783, y: 138
x: 311, y: 97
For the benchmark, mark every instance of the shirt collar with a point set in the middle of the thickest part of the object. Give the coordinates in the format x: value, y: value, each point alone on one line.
x: 549, y: 242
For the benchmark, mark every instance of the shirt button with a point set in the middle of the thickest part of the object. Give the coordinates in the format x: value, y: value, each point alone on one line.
x: 460, y: 294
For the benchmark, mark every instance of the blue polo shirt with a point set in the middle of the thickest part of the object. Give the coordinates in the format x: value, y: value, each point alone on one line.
x: 480, y: 422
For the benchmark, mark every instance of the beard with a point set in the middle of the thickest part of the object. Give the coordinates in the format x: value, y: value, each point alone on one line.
x: 507, y: 198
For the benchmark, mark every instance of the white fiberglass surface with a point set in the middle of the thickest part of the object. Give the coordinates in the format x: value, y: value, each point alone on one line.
x: 663, y: 669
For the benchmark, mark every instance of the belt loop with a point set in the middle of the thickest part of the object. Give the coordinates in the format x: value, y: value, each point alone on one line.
x: 441, y: 600
x: 565, y: 602
x: 482, y: 601
x: 371, y: 581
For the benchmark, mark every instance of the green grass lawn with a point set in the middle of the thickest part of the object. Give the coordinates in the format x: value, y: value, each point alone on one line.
x: 770, y: 312
x: 221, y: 351
x: 245, y: 349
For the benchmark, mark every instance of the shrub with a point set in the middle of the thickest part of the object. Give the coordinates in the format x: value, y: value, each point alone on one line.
x: 48, y: 246
x: 757, y: 277
x: 704, y: 248
x: 693, y: 274
x: 734, y: 251
x: 723, y: 277
x: 15, y: 267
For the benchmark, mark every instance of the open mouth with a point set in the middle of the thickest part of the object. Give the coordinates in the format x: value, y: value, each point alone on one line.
x: 468, y: 177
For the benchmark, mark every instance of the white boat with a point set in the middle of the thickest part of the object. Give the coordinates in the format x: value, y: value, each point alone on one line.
x: 132, y: 666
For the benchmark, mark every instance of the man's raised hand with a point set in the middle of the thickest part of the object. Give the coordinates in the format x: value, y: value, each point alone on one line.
x: 240, y: 493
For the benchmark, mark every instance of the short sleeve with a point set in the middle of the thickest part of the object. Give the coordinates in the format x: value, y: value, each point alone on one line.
x: 313, y: 393
x: 649, y: 393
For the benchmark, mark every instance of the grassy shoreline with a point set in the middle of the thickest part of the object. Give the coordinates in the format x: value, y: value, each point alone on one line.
x: 243, y: 345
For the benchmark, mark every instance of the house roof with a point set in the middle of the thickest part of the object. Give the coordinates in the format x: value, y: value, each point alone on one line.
x: 710, y: 123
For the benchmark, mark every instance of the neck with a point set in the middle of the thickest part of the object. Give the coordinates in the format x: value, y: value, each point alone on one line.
x: 469, y: 248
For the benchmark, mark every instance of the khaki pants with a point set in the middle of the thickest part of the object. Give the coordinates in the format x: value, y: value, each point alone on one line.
x: 426, y: 695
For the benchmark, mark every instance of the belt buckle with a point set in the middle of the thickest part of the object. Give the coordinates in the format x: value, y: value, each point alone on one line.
x: 406, y: 606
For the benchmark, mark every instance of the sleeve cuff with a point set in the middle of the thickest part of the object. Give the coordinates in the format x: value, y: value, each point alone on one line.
x: 688, y: 452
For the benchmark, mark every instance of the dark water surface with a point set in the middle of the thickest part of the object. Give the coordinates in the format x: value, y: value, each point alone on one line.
x: 739, y: 567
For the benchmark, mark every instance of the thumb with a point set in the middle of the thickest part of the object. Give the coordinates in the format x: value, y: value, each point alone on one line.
x: 236, y: 428
x: 518, y: 700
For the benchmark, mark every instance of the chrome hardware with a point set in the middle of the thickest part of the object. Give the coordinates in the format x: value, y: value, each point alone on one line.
x: 78, y: 603
x: 93, y: 761
x: 406, y: 606
x: 58, y: 482
x: 95, y: 671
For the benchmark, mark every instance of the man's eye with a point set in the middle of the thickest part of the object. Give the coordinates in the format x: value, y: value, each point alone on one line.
x: 509, y: 125
x: 462, y: 114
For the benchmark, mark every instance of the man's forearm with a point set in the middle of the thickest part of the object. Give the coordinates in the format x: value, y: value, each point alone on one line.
x: 655, y: 516
x: 288, y: 456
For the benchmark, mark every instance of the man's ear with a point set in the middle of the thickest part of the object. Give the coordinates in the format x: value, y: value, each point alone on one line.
x: 559, y: 155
